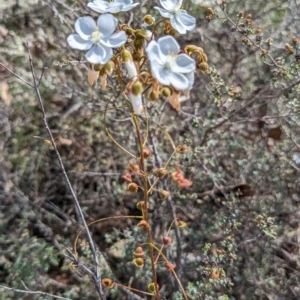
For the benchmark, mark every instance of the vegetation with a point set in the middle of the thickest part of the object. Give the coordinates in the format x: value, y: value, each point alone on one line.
x: 221, y: 220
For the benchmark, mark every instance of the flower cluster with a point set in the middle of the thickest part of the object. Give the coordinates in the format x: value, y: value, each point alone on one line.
x: 159, y: 66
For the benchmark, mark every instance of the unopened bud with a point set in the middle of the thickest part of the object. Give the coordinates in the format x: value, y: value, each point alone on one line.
x: 182, y: 149
x: 184, y: 183
x: 294, y: 40
x: 203, y: 66
x: 139, y: 262
x: 146, y: 153
x: 126, y: 55
x: 181, y: 224
x: 210, y: 10
x: 153, y: 96
x: 161, y: 172
x: 164, y: 194
x: 109, y: 67
x: 139, y: 252
x: 167, y: 240
x: 151, y: 287
x: 138, y: 43
x: 127, y: 177
x: 132, y: 187
x: 241, y: 14
x: 134, y: 168
x: 137, y: 88
x: 166, y: 92
x: 143, y: 224
x: 107, y: 282
x: 149, y: 20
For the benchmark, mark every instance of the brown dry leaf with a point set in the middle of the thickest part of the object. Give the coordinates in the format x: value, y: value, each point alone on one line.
x: 4, y: 93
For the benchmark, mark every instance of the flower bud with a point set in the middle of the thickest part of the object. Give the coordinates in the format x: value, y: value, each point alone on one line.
x: 139, y: 252
x: 137, y: 88
x: 109, y: 67
x: 97, y: 67
x: 127, y: 177
x: 183, y: 183
x: 164, y: 194
x: 294, y: 40
x: 210, y: 10
x: 139, y: 262
x: 182, y: 149
x: 129, y: 64
x: 153, y: 96
x: 161, y: 172
x: 167, y: 240
x: 132, y: 187
x: 203, y: 66
x: 134, y: 168
x: 148, y: 20
x: 151, y: 287
x: 146, y: 153
x: 181, y: 224
x: 135, y: 96
x: 166, y: 92
x: 143, y: 224
x: 138, y: 43
x: 241, y: 14
x: 107, y: 282
x: 289, y: 49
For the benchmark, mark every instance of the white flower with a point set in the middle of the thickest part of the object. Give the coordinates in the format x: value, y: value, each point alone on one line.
x: 167, y: 66
x: 136, y: 102
x: 179, y: 18
x: 97, y: 38
x: 113, y: 6
x: 131, y: 68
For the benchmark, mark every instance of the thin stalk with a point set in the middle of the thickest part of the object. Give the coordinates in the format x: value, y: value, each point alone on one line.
x: 146, y: 215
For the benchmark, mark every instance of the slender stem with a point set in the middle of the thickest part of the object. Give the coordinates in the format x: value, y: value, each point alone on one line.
x: 146, y: 215
x: 32, y: 292
x: 97, y: 274
x: 171, y: 209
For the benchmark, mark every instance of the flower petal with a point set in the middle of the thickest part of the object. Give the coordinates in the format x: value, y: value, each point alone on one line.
x: 171, y: 4
x: 191, y: 78
x: 178, y: 81
x: 186, y: 20
x: 183, y: 64
x: 129, y: 7
x: 116, y: 40
x: 159, y: 72
x: 164, y: 13
x: 107, y: 24
x: 77, y: 42
x: 177, y: 25
x: 136, y: 102
x: 85, y: 26
x: 168, y: 45
x: 153, y: 51
x: 99, y: 6
x: 99, y: 54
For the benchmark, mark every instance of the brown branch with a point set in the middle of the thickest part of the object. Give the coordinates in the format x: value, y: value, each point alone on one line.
x: 32, y: 292
x: 96, y: 274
